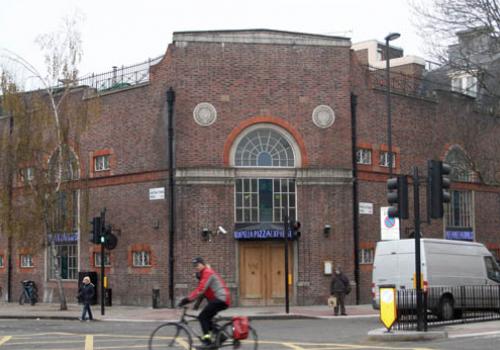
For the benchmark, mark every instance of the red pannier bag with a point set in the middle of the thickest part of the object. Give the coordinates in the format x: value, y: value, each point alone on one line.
x: 240, y: 327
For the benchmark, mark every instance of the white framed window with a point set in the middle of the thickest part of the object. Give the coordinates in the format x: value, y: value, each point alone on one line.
x: 101, y: 163
x: 97, y: 259
x: 384, y: 159
x: 141, y: 258
x: 27, y: 174
x: 366, y: 255
x: 459, y: 212
x: 26, y: 260
x: 363, y: 156
x: 465, y: 84
x: 67, y: 261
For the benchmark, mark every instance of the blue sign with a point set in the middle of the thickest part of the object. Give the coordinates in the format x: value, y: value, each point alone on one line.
x: 261, y: 234
x: 63, y: 237
x: 460, y: 235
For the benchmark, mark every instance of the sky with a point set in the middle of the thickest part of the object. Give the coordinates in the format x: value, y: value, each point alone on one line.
x: 126, y: 32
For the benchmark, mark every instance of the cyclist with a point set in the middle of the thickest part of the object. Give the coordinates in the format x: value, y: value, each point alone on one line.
x: 213, y: 287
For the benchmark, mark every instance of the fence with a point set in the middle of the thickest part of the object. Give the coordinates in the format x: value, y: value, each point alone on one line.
x: 120, y: 77
x: 449, y: 305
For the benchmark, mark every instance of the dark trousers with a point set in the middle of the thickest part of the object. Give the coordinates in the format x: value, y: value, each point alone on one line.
x: 86, y: 309
x: 208, y: 313
x: 340, y: 303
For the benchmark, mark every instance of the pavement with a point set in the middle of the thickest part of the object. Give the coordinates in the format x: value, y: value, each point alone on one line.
x: 148, y: 314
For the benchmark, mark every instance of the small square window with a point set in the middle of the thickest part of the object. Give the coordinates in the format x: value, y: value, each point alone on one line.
x: 26, y: 260
x: 384, y: 159
x: 101, y: 163
x: 141, y: 259
x: 97, y: 259
x: 366, y: 256
x: 27, y: 174
x: 363, y: 156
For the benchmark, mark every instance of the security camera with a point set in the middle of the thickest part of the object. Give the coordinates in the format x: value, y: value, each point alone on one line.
x: 222, y: 230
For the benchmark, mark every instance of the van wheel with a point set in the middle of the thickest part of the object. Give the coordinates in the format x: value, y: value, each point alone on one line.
x: 446, y: 311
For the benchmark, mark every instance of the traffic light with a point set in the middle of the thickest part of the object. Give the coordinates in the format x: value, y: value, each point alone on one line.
x: 96, y: 229
x: 295, y: 228
x: 397, y: 196
x: 439, y: 183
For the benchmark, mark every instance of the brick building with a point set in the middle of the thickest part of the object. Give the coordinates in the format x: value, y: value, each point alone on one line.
x: 265, y: 123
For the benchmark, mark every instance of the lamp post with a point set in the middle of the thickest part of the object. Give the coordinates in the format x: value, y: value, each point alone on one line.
x: 389, y: 37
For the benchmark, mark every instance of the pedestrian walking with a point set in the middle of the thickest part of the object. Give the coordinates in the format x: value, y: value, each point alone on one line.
x: 339, y: 288
x: 86, y: 293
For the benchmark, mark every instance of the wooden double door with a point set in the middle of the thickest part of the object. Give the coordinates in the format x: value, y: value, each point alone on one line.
x: 262, y: 273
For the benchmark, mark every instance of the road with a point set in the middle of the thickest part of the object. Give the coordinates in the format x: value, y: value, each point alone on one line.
x: 301, y: 334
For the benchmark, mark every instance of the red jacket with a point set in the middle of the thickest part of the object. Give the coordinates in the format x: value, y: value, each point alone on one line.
x: 212, y: 286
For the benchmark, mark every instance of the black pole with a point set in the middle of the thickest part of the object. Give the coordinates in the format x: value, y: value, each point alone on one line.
x: 286, y: 229
x: 355, y: 203
x: 9, y: 225
x: 171, y: 190
x: 101, y: 238
x: 388, y: 101
x: 9, y: 268
x: 416, y: 209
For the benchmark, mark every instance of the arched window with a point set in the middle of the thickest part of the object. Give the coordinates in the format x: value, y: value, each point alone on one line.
x: 264, y: 147
x: 461, y: 166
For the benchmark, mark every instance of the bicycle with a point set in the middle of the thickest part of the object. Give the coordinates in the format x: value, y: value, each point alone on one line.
x: 181, y: 334
x: 29, y: 293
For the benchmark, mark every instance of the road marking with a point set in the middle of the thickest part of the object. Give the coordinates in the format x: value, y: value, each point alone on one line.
x: 89, y: 342
x: 473, y: 334
x: 292, y: 346
x: 4, y: 340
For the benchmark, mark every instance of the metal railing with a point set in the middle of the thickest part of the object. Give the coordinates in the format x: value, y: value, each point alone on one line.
x: 119, y: 78
x: 449, y: 305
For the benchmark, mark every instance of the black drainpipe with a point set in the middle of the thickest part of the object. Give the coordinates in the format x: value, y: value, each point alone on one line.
x: 355, y: 205
x: 9, y: 221
x: 171, y: 195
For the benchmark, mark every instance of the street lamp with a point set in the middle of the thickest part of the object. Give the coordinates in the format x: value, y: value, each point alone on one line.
x: 389, y: 37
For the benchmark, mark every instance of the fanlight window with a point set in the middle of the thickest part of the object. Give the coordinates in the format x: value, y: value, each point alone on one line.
x: 264, y: 148
x: 461, y: 166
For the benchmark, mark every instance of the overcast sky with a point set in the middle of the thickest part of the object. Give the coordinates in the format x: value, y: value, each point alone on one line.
x: 126, y: 32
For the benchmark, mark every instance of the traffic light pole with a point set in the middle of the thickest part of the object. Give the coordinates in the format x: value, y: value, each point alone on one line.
x: 102, y: 278
x: 286, y: 225
x: 418, y: 276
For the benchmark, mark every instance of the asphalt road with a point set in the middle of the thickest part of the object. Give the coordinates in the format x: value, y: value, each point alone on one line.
x: 303, y: 334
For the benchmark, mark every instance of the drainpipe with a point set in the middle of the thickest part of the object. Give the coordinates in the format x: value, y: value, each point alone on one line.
x: 355, y: 204
x: 171, y: 191
x: 9, y: 226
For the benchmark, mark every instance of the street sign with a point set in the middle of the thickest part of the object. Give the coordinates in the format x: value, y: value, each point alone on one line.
x: 366, y: 208
x: 389, y: 227
x: 156, y: 193
x: 388, y: 309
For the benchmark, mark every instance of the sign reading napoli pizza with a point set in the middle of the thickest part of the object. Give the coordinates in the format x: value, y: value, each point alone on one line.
x: 261, y: 231
x: 389, y: 227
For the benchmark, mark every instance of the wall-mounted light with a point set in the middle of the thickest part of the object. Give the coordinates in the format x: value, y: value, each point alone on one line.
x: 327, y: 230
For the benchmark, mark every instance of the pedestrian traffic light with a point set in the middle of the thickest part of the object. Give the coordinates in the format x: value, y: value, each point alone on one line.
x: 95, y: 233
x: 295, y: 228
x: 397, y: 196
x: 439, y: 183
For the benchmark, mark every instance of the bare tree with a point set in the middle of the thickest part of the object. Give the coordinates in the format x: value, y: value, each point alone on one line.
x: 37, y: 189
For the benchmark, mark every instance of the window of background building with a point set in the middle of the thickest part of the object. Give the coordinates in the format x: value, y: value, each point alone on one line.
x: 141, y: 259
x: 384, y: 159
x: 101, y: 163
x: 366, y: 255
x: 97, y: 259
x: 1, y: 261
x: 364, y: 156
x: 67, y: 258
x: 27, y: 174
x: 458, y: 213
x: 26, y: 260
x: 465, y: 84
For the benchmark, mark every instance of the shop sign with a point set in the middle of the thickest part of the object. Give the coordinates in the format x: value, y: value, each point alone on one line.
x: 460, y: 235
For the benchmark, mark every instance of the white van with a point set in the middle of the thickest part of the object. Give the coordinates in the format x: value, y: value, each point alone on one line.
x: 444, y: 263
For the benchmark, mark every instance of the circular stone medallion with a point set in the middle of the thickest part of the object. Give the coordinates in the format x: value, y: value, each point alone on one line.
x: 204, y: 114
x: 323, y: 116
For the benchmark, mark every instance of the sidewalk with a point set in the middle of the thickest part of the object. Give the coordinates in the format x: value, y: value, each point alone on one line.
x: 148, y: 314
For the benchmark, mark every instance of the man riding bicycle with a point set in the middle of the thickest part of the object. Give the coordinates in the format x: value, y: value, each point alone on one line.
x: 213, y: 287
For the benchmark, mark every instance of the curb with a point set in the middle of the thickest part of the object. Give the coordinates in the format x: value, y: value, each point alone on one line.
x: 381, y: 334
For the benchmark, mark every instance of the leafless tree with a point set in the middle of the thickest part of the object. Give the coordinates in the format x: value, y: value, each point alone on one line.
x: 35, y: 146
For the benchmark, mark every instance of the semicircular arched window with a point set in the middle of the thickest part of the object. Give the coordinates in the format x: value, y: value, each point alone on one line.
x: 264, y: 147
x: 461, y: 166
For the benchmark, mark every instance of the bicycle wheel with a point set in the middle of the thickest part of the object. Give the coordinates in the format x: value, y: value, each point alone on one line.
x: 22, y: 299
x: 170, y: 335
x: 226, y: 332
